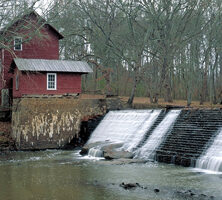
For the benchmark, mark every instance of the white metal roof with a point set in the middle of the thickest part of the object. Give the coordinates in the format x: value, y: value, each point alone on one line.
x: 52, y: 65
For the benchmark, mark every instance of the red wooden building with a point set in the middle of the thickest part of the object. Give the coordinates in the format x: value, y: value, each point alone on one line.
x: 41, y: 76
x: 39, y: 70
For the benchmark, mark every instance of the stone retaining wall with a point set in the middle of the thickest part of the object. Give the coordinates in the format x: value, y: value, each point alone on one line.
x: 44, y: 123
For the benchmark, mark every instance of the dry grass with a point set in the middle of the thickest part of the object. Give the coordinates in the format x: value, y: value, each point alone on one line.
x: 146, y: 102
x: 161, y: 103
x: 92, y: 96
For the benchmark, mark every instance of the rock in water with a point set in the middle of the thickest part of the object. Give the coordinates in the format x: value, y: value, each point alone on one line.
x: 128, y: 186
x: 156, y: 190
x: 113, y: 154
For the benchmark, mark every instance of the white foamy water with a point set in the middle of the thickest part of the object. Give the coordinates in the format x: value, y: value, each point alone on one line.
x: 136, y: 138
x: 212, y: 158
x: 94, y: 152
x: 155, y: 139
x: 122, y: 126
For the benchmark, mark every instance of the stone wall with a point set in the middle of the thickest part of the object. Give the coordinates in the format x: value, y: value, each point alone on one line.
x: 43, y: 123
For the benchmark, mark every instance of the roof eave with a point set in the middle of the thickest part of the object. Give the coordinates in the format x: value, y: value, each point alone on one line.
x: 60, y: 36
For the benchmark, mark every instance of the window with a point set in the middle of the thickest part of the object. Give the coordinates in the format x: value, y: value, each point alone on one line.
x: 51, y: 81
x: 18, y: 44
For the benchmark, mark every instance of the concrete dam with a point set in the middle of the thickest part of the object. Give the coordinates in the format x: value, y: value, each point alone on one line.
x: 178, y: 136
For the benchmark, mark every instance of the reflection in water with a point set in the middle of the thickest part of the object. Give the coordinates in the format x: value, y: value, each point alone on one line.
x: 61, y: 175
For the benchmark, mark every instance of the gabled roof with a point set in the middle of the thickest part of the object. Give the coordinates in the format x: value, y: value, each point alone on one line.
x: 43, y: 65
x: 42, y: 21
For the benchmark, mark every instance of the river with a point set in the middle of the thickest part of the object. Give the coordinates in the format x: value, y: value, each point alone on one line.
x: 64, y: 175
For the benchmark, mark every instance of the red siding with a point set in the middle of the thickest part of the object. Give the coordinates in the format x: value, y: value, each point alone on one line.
x: 46, y: 47
x: 36, y: 84
x: 42, y: 46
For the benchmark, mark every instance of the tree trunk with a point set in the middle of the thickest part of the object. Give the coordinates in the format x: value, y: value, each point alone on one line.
x: 213, y: 88
x: 167, y: 84
x: 117, y: 80
x: 135, y: 81
x: 189, y: 96
x: 204, y: 84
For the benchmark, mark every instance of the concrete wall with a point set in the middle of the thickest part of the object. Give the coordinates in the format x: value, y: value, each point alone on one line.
x: 42, y: 123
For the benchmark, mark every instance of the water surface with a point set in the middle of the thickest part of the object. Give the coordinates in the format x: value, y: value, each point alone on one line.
x: 64, y: 175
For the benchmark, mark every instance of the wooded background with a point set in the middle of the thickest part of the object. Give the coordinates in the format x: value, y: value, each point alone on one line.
x: 151, y: 48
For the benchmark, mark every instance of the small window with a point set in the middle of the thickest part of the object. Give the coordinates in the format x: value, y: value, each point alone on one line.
x: 51, y: 81
x: 18, y: 44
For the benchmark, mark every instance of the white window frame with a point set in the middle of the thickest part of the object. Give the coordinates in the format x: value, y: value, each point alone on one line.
x: 20, y: 44
x: 54, y: 74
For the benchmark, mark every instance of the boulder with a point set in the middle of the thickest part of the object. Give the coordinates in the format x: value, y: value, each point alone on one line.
x: 111, y: 146
x: 111, y: 151
x: 114, y: 154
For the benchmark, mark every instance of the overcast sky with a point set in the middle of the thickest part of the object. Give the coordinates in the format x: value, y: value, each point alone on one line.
x: 43, y: 5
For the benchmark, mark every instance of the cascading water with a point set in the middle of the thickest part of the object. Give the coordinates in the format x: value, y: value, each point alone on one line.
x: 120, y: 126
x: 127, y: 127
x: 94, y: 152
x: 134, y: 139
x: 212, y: 158
x: 157, y: 136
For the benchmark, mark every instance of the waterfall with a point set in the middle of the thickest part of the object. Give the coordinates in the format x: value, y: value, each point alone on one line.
x: 155, y: 139
x: 132, y: 141
x: 126, y: 126
x: 94, y: 152
x: 212, y: 158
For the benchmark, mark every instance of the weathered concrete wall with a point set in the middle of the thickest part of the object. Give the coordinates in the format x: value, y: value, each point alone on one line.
x: 42, y: 123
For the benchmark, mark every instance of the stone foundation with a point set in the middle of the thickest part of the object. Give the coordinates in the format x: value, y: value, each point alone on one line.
x: 44, y: 123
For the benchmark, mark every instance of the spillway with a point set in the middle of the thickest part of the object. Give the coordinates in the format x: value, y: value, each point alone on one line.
x: 155, y: 139
x: 212, y: 158
x: 126, y: 126
x: 171, y: 136
x: 131, y: 143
